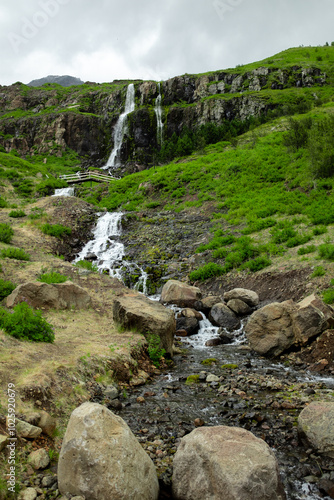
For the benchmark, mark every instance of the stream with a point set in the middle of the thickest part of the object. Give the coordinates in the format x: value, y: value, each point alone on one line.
x: 235, y: 387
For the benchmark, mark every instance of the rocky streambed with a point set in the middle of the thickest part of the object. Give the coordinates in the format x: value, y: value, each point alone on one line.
x: 229, y: 385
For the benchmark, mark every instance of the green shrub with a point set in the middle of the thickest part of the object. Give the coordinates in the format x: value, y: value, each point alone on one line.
x: 326, y: 251
x: 3, y: 203
x: 47, y: 187
x: 328, y: 296
x: 220, y: 253
x: 23, y: 187
x: 52, y: 277
x: 218, y: 241
x: 6, y: 233
x: 299, y: 239
x: 207, y: 271
x: 257, y: 264
x: 14, y: 253
x: 259, y: 225
x: 17, y: 213
x: 282, y: 235
x: 298, y: 133
x: 306, y: 250
x: 321, y: 147
x: 27, y: 324
x: 57, y: 230
x: 319, y: 230
x: 318, y: 271
x: 87, y: 264
x: 6, y: 288
x: 154, y: 350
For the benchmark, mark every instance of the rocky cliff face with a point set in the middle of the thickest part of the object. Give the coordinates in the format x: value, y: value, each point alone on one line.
x: 50, y: 119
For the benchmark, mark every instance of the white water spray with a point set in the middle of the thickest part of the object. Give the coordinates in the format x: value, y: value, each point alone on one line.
x: 158, y: 113
x: 120, y: 128
x: 69, y: 191
x: 108, y: 251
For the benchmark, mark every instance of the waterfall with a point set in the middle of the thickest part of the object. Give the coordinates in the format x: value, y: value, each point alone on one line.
x: 69, y: 191
x: 108, y: 251
x: 158, y: 113
x: 120, y: 128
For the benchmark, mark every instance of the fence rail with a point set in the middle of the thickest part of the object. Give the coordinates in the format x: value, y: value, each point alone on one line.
x: 83, y: 177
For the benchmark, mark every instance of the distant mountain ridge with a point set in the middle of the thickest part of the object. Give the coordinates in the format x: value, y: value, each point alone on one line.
x: 65, y: 81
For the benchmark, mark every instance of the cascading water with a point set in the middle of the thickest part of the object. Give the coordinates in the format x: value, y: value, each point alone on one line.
x: 158, y: 113
x: 120, y: 128
x: 207, y: 401
x: 69, y: 191
x: 108, y: 251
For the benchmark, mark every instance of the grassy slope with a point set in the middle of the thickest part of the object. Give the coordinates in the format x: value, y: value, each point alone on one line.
x: 257, y: 183
x: 247, y: 189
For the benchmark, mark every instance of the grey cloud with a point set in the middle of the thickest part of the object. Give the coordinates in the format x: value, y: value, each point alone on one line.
x: 109, y: 39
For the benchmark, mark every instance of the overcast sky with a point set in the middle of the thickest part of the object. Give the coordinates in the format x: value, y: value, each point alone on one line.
x: 103, y: 40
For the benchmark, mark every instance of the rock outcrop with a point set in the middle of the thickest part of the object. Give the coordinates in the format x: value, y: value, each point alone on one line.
x: 134, y: 310
x: 84, y: 118
x: 316, y: 423
x: 225, y: 463
x: 101, y: 459
x: 180, y: 294
x: 276, y: 327
x: 50, y: 296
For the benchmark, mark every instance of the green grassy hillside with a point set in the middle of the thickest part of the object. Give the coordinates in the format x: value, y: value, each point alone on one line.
x: 267, y: 191
x: 270, y: 192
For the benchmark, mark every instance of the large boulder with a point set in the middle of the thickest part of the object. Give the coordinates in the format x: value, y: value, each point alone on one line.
x: 269, y: 329
x: 311, y: 317
x: 225, y: 463
x: 276, y: 327
x: 249, y: 296
x: 55, y: 296
x: 101, y: 459
x: 316, y: 423
x: 134, y: 310
x: 180, y: 294
x: 223, y: 316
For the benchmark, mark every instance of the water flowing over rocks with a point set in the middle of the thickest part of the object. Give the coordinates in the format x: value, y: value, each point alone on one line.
x: 225, y: 463
x: 316, y: 423
x: 133, y: 310
x: 101, y: 458
x: 55, y: 296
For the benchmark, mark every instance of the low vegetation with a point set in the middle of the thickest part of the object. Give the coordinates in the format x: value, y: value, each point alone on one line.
x: 6, y: 233
x: 154, y: 350
x: 6, y: 288
x: 52, y: 277
x: 25, y: 323
x: 14, y: 253
x: 87, y: 264
x: 56, y: 230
